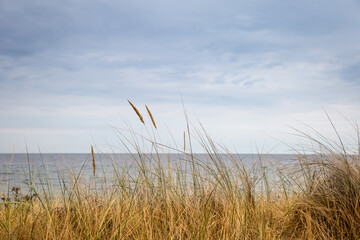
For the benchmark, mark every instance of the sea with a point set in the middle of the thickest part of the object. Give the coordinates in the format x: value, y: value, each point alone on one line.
x: 46, y: 170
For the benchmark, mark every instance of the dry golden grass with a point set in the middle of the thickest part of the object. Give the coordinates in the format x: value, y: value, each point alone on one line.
x: 146, y: 217
x: 319, y: 198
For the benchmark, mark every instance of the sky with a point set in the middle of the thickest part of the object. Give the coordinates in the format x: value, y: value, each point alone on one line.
x: 248, y: 71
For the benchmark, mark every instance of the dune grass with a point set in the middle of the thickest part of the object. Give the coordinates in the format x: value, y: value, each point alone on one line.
x: 215, y: 197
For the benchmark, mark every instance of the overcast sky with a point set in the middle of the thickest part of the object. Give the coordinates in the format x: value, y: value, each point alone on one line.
x: 247, y: 70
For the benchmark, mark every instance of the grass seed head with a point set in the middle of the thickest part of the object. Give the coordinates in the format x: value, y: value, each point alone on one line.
x: 137, y: 112
x: 93, y: 159
x: 151, y: 116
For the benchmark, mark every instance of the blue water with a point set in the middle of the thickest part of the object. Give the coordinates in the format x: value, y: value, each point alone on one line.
x: 19, y: 170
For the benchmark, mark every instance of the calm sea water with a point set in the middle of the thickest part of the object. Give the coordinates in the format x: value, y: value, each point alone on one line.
x: 18, y: 170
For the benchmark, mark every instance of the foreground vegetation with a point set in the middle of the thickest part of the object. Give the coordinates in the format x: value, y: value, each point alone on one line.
x: 217, y: 197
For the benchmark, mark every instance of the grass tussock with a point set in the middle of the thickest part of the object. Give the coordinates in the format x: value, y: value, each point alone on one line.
x: 329, y: 208
x: 182, y: 196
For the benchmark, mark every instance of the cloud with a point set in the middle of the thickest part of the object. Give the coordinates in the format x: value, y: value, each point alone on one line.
x: 72, y: 65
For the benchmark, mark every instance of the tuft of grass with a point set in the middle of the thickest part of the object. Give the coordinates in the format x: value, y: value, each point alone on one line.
x: 329, y: 205
x: 217, y: 195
